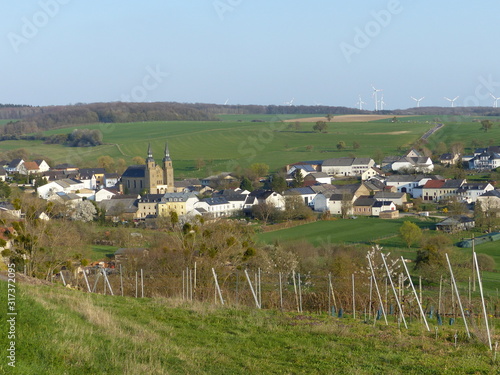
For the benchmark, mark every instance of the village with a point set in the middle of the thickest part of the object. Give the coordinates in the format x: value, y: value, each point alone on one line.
x: 347, y: 187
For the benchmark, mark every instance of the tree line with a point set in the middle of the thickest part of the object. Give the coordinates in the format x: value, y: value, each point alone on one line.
x: 39, y: 119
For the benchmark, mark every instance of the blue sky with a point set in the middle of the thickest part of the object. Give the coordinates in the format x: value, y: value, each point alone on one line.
x: 249, y: 51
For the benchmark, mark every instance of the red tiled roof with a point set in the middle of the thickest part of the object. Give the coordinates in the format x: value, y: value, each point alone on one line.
x: 4, y: 233
x: 31, y: 166
x: 434, y: 184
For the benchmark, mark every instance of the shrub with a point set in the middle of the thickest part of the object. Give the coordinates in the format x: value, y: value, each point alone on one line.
x: 486, y: 262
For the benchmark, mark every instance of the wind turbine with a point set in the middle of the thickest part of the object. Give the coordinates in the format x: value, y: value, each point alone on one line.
x: 290, y: 103
x: 360, y: 103
x: 382, y: 103
x: 495, y: 103
x: 452, y: 101
x: 227, y: 100
x: 375, y: 91
x: 418, y: 100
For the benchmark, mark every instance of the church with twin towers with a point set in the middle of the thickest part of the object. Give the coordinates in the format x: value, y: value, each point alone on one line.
x: 150, y: 178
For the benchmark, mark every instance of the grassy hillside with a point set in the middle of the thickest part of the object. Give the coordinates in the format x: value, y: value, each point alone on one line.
x: 361, y: 230
x: 225, y: 145
x: 466, y: 132
x: 60, y: 331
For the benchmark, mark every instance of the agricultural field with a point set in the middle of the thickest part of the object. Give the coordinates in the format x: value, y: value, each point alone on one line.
x: 363, y: 230
x: 262, y: 117
x: 466, y: 132
x: 71, y: 332
x: 225, y: 145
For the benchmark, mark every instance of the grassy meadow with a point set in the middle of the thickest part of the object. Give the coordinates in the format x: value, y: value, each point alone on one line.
x: 62, y: 331
x: 226, y: 144
x: 466, y: 132
x: 363, y: 230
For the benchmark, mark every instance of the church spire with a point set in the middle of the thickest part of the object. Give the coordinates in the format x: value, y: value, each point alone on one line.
x: 150, y: 153
x: 167, y: 153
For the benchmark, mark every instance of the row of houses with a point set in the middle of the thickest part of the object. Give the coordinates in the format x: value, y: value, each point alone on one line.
x: 188, y: 204
x: 223, y: 203
x: 363, y: 167
x: 363, y: 198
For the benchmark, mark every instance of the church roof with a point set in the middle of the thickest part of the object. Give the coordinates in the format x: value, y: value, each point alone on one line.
x: 135, y: 171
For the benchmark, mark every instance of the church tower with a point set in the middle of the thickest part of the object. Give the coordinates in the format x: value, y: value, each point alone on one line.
x: 151, y: 173
x: 168, y: 170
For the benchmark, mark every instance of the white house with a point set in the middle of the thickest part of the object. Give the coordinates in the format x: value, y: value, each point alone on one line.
x: 397, y: 198
x: 9, y: 210
x: 265, y: 196
x: 318, y: 178
x: 68, y: 199
x: 469, y: 192
x: 111, y: 179
x: 381, y: 206
x: 490, y: 201
x: 333, y: 203
x: 14, y: 166
x: 215, y: 207
x: 66, y: 185
x: 86, y: 193
x: 304, y: 169
x: 104, y: 194
x: 487, y: 160
x: 28, y: 167
x: 346, y: 166
x: 42, y: 165
x: 417, y: 164
x: 306, y: 193
x: 408, y: 183
x: 370, y: 173
x: 235, y: 197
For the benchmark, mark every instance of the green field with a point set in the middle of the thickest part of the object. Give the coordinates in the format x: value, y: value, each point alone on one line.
x: 264, y: 117
x: 61, y: 331
x: 99, y: 252
x: 465, y: 132
x: 363, y: 230
x: 225, y: 145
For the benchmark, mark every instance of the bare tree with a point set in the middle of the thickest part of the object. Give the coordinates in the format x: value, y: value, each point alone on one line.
x: 346, y: 205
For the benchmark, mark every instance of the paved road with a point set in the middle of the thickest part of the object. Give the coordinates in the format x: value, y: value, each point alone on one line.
x: 432, y: 131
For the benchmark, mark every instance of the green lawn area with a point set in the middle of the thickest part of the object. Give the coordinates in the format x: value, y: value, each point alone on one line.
x: 100, y: 252
x: 265, y: 117
x: 61, y: 331
x: 363, y: 230
x: 466, y: 132
x: 226, y: 145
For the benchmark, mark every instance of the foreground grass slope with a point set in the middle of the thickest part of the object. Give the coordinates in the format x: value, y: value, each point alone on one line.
x: 63, y: 331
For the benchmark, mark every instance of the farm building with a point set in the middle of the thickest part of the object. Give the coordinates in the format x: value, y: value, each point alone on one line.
x: 455, y: 224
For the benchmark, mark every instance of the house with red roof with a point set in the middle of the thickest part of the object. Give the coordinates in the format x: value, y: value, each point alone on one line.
x: 437, y: 190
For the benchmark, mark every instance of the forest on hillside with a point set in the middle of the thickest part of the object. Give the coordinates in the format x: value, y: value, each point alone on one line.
x: 36, y: 119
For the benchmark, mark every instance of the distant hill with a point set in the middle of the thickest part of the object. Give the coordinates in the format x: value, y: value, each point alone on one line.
x: 36, y: 119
